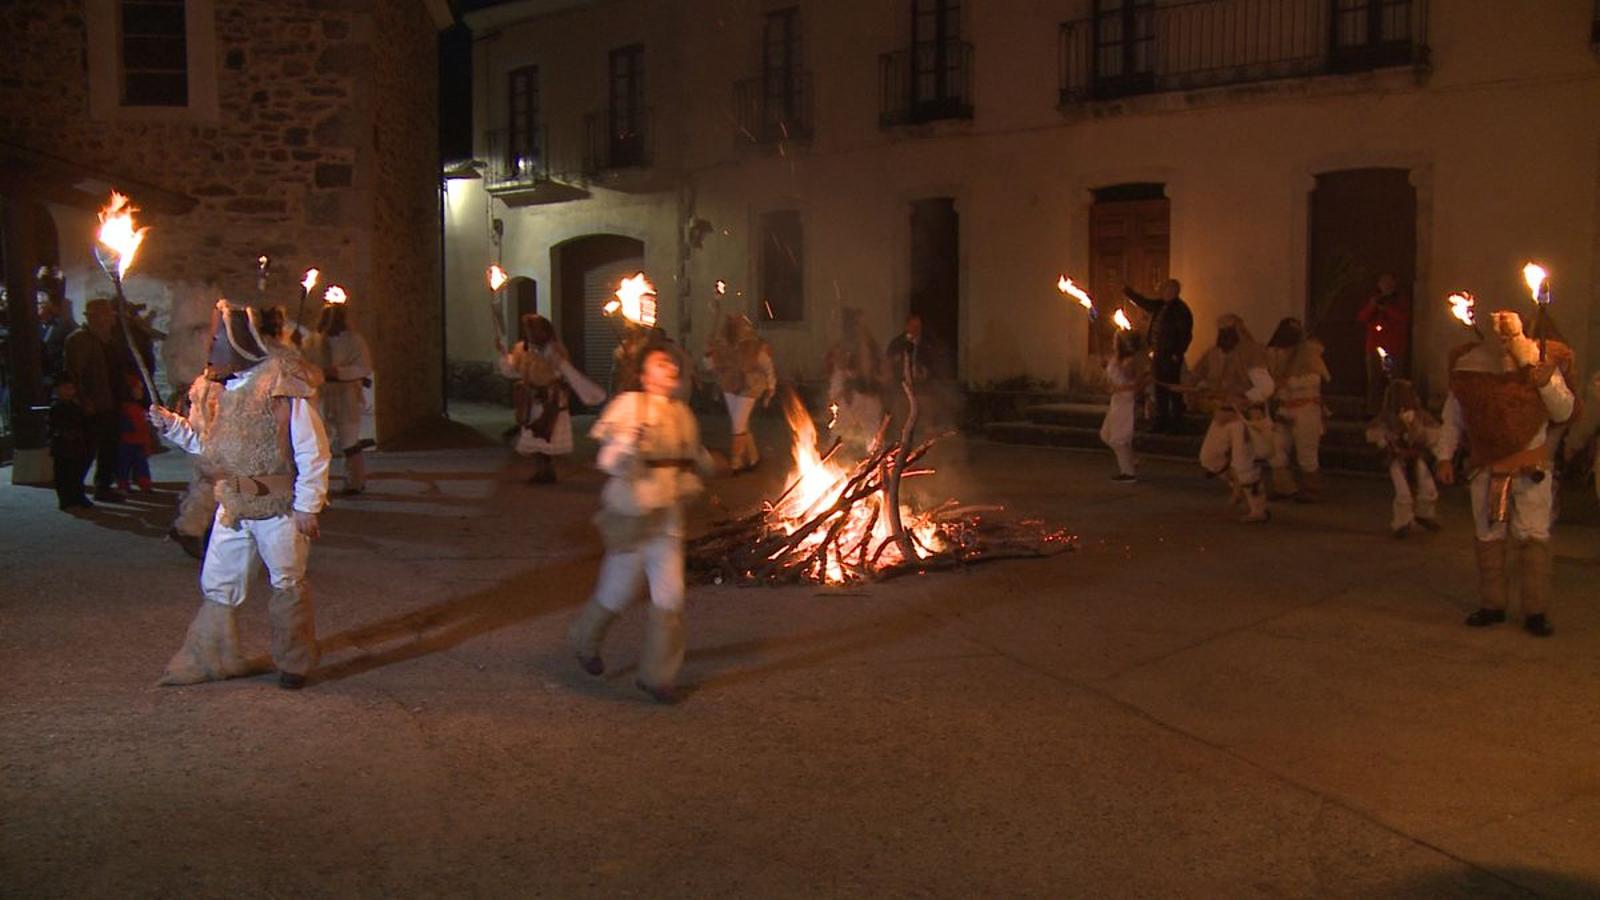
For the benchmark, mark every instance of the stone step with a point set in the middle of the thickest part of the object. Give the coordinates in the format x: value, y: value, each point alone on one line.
x: 1084, y: 414
x: 1334, y: 457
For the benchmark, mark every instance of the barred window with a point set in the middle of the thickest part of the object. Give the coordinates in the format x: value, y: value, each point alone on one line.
x: 155, y: 53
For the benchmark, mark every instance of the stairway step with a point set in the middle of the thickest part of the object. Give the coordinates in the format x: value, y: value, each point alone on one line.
x: 1335, y: 457
x: 1346, y: 433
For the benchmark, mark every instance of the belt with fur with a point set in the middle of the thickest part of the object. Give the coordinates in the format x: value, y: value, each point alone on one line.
x: 260, y: 485
x: 1523, y: 462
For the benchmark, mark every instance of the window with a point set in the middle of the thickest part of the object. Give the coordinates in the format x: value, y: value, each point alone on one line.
x: 626, y: 113
x: 154, y: 53
x: 1367, y: 34
x: 1123, y: 34
x: 780, y: 68
x: 523, y: 148
x: 936, y: 50
x: 783, y: 297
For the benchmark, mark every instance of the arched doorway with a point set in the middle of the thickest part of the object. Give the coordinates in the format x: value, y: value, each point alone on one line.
x: 586, y: 271
x: 522, y: 298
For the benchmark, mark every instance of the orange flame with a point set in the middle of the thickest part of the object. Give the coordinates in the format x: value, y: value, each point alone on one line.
x: 1534, y: 275
x: 117, y: 231
x: 1121, y: 318
x: 335, y: 295
x: 310, y: 280
x: 1462, y: 307
x: 722, y: 287
x: 635, y: 300
x: 497, y: 277
x: 1066, y: 286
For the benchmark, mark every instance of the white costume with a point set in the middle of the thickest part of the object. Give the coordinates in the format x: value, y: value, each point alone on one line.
x: 1237, y: 385
x: 1299, y: 420
x: 650, y: 446
x: 1116, y: 431
x: 346, y: 362
x: 1409, y: 434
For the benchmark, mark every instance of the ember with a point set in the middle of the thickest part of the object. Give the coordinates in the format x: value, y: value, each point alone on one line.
x: 836, y: 523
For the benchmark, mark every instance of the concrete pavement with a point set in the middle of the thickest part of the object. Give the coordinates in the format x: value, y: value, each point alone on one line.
x: 1185, y: 706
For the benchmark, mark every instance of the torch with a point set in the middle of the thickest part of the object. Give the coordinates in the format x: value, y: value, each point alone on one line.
x: 497, y: 280
x: 634, y: 300
x: 1066, y: 287
x: 1538, y: 281
x: 118, y: 243
x: 1462, y: 306
x: 306, y: 284
x: 1121, y: 320
x: 1387, y: 362
x: 263, y: 263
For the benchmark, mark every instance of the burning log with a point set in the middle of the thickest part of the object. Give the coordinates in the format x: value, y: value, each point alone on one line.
x: 837, y: 524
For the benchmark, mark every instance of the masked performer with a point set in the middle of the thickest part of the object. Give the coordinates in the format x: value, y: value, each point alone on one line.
x: 346, y: 363
x: 650, y: 446
x: 743, y: 365
x: 1299, y: 420
x: 1128, y: 374
x: 855, y: 382
x: 1503, y: 398
x: 1233, y: 379
x: 1407, y: 432
x: 265, y: 442
x: 545, y: 375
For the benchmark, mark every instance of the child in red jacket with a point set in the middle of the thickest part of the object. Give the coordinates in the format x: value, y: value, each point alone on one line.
x: 133, y: 428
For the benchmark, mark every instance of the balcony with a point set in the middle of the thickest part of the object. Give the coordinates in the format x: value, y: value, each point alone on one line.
x: 1212, y: 43
x: 772, y: 109
x: 930, y: 81
x: 614, y: 142
x: 507, y: 170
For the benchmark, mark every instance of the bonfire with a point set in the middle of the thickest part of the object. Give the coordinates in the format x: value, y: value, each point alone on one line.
x: 841, y: 522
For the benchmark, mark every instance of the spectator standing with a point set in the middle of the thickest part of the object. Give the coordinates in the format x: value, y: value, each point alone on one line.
x: 71, y: 446
x: 88, y: 358
x: 1387, y: 320
x: 1171, y: 331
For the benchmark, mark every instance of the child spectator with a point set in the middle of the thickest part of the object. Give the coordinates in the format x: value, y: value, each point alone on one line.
x: 71, y: 445
x: 1129, y: 374
x: 133, y: 429
x: 1408, y: 432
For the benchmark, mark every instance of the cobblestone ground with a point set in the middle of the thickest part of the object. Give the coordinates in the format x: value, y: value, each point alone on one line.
x: 1184, y: 707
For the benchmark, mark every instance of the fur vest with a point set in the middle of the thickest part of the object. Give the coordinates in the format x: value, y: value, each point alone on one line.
x: 248, y: 434
x: 1502, y: 409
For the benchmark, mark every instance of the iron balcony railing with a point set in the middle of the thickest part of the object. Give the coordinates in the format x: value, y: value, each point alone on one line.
x: 614, y: 140
x: 928, y: 81
x: 509, y: 168
x: 773, y: 108
x: 1209, y: 43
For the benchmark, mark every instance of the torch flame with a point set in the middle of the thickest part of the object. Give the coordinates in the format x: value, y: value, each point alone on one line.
x: 1534, y: 275
x: 635, y: 300
x: 1121, y: 318
x: 262, y: 261
x: 1066, y: 286
x: 1461, y: 306
x: 1383, y: 354
x: 722, y: 287
x: 310, y: 281
x: 117, y: 232
x: 497, y: 277
x: 334, y: 295
x: 833, y: 414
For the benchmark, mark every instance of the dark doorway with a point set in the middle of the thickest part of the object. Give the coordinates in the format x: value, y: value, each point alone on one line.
x: 28, y: 240
x: 524, y: 294
x: 1363, y: 224
x: 936, y: 278
x: 588, y: 270
x: 1129, y: 242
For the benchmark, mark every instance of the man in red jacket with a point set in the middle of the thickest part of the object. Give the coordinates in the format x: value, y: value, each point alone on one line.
x: 1387, y: 318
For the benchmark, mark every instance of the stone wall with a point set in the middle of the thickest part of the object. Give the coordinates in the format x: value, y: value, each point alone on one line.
x: 324, y: 153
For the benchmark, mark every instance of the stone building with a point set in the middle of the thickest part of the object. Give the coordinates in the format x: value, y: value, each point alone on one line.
x: 305, y: 130
x: 954, y: 158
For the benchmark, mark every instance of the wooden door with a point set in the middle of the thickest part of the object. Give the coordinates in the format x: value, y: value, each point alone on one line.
x: 1363, y: 224
x: 936, y: 278
x: 1129, y: 243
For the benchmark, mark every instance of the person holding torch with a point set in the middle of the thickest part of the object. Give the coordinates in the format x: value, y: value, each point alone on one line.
x: 346, y: 363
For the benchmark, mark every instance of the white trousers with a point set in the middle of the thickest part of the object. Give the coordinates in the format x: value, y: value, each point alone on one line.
x: 1529, y: 516
x: 1302, y: 433
x: 739, y: 409
x: 1116, y: 431
x: 1227, y: 446
x: 658, y: 559
x: 231, y: 557
x: 1409, y: 506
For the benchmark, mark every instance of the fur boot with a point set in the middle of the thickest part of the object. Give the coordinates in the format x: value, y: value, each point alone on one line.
x: 1283, y: 484
x: 294, y: 630
x: 210, y: 651
x: 587, y: 633
x: 663, y: 652
x: 1491, y: 584
x: 1534, y: 574
x: 1255, y: 496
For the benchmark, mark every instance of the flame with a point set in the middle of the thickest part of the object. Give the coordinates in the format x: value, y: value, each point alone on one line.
x: 497, y: 277
x: 262, y: 261
x: 833, y: 414
x: 721, y: 287
x: 1067, y: 287
x: 1383, y: 354
x: 335, y: 295
x: 1535, y: 276
x: 1121, y: 318
x: 635, y: 300
x: 818, y: 484
x: 310, y: 280
x: 117, y: 232
x: 1461, y: 306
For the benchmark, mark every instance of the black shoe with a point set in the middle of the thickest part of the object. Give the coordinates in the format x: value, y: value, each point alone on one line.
x: 1538, y: 626
x: 663, y: 695
x: 1121, y: 478
x: 1486, y: 616
x: 109, y: 495
x: 1430, y: 524
x: 289, y: 681
x: 1401, y: 532
x: 190, y: 544
x: 594, y: 665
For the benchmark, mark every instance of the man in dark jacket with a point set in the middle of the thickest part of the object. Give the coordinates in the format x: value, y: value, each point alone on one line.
x: 91, y: 364
x: 1171, y: 330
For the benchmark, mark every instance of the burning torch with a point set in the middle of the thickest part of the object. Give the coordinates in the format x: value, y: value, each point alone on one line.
x: 118, y: 243
x: 497, y: 280
x: 1066, y: 286
x: 634, y: 300
x: 1463, y: 307
x: 1538, y: 281
x: 1387, y: 362
x: 306, y: 284
x: 263, y: 263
